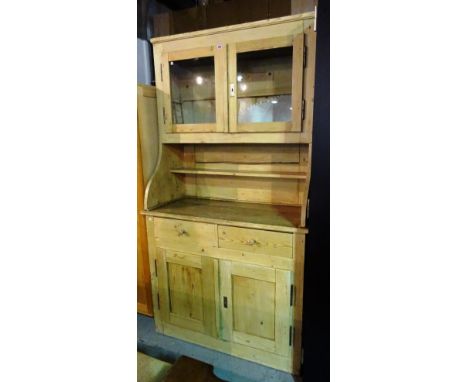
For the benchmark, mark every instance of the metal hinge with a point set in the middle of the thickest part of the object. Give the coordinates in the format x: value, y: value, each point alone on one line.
x: 159, y: 305
x: 155, y: 269
x: 303, y: 109
x: 160, y: 66
x: 164, y: 114
x: 291, y: 295
x: 290, y: 335
x: 307, y: 209
x: 315, y: 19
x: 302, y: 356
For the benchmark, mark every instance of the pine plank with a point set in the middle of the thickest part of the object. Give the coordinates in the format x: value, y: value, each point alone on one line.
x: 249, y: 174
x: 252, y: 215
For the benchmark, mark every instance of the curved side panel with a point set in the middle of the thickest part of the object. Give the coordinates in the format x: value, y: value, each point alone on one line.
x: 164, y: 187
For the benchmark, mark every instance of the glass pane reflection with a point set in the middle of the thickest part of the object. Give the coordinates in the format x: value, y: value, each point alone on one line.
x: 264, y: 80
x: 193, y: 90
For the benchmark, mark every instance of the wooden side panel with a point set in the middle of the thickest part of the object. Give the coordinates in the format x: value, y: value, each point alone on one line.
x: 309, y: 78
x: 154, y: 273
x: 147, y: 129
x: 144, y: 298
x: 164, y: 186
x: 299, y: 248
x: 309, y: 90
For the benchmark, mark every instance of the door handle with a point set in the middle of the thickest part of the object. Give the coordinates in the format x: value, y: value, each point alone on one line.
x: 225, y: 302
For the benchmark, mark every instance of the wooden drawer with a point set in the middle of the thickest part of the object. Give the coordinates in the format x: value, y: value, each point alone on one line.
x: 184, y: 235
x: 255, y: 240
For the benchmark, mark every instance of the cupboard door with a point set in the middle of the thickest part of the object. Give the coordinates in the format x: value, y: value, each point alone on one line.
x: 187, y: 290
x: 265, y: 84
x: 194, y: 85
x: 255, y: 306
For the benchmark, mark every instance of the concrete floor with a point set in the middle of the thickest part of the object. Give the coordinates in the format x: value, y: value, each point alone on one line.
x: 231, y: 369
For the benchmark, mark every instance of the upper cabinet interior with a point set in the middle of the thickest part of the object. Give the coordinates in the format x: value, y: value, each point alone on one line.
x: 241, y: 83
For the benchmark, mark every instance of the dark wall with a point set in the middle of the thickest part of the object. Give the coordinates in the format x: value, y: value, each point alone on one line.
x: 316, y: 318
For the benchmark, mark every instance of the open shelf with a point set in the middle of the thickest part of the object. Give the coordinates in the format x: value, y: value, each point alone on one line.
x: 241, y: 173
x: 255, y: 215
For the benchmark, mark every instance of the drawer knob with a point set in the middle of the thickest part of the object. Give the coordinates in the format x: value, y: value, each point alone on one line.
x: 251, y: 242
x: 183, y: 232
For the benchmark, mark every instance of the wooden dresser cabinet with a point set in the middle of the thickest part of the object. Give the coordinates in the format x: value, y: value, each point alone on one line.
x: 226, y: 206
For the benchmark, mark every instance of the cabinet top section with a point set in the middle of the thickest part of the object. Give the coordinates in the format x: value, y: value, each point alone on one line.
x: 236, y: 27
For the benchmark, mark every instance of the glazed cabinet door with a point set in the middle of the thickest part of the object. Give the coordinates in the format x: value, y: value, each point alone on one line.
x: 187, y: 290
x: 192, y: 88
x: 265, y: 84
x: 255, y: 306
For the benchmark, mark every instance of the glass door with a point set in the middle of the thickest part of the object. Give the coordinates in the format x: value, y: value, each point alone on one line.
x: 194, y: 86
x: 265, y: 85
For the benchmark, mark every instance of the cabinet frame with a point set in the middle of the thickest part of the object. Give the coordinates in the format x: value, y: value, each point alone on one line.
x: 218, y: 52
x: 295, y: 125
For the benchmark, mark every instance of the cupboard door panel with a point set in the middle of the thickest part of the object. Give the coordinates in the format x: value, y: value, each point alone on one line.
x: 188, y: 291
x: 185, y: 291
x: 254, y: 302
x: 255, y: 310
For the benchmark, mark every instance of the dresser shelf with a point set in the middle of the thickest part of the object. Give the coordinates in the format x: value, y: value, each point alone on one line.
x: 254, y: 215
x: 241, y: 173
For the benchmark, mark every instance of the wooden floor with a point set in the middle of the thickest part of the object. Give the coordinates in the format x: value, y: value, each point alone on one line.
x: 189, y: 369
x: 151, y: 369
